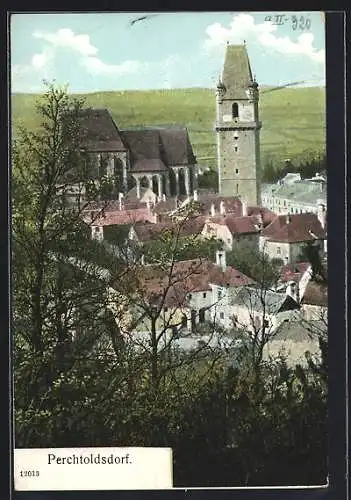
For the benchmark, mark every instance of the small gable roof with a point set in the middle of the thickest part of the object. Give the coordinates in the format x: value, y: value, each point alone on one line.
x: 294, y: 228
x: 256, y: 299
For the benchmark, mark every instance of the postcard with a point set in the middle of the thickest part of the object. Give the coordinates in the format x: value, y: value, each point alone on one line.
x: 169, y: 250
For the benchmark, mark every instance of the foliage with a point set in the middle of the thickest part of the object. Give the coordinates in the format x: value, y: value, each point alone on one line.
x: 308, y: 164
x: 209, y: 180
x: 254, y: 263
x: 188, y: 247
x: 311, y: 253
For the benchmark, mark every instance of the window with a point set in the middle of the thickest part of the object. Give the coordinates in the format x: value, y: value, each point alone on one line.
x: 235, y: 110
x: 236, y: 170
x: 237, y: 188
x: 236, y: 149
x: 221, y: 315
x: 184, y: 321
x: 189, y: 296
x: 279, y: 250
x: 265, y: 323
x: 204, y: 295
x: 219, y: 294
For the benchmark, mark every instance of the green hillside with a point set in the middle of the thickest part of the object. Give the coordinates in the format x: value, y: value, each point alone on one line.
x: 293, y: 118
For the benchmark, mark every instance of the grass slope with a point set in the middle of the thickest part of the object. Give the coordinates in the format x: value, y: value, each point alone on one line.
x: 293, y: 118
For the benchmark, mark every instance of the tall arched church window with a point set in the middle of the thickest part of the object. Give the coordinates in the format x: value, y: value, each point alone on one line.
x: 235, y: 110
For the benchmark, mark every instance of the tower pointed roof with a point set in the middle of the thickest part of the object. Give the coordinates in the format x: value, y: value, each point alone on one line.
x: 236, y: 74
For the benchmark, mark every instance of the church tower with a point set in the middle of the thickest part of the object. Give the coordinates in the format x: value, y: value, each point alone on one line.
x: 238, y: 128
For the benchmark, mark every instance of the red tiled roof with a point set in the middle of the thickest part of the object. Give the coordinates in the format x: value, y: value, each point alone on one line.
x: 170, y: 204
x: 114, y: 205
x: 297, y: 230
x: 188, y: 277
x: 267, y: 215
x: 122, y: 217
x: 191, y: 226
x: 291, y: 272
x: 146, y: 232
x: 231, y: 204
x: 242, y: 225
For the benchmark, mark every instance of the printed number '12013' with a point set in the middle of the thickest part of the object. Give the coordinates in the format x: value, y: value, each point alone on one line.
x: 29, y: 473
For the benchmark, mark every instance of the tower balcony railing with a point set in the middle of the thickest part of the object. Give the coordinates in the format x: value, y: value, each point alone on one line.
x: 237, y: 125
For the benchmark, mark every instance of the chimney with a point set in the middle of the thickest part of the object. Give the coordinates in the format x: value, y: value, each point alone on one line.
x: 321, y: 213
x: 260, y: 221
x: 243, y: 208
x: 292, y: 290
x: 195, y: 195
x: 222, y: 208
x: 221, y: 259
x: 213, y: 210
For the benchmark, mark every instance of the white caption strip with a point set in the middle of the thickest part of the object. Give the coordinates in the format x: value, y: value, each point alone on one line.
x: 46, y: 469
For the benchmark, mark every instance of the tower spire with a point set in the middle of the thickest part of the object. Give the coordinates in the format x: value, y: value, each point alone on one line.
x: 238, y: 127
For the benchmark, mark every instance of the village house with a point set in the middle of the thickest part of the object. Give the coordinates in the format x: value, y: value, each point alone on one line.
x: 231, y: 230
x: 295, y: 195
x: 293, y: 339
x: 255, y: 308
x: 314, y: 301
x: 188, y: 301
x: 285, y: 238
x: 99, y: 216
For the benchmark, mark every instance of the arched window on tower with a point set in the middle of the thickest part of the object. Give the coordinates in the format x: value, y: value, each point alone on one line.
x: 235, y: 110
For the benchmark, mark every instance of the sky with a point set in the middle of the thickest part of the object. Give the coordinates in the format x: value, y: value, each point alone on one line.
x: 105, y: 52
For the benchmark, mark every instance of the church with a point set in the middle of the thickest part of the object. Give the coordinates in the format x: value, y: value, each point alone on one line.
x: 161, y: 159
x: 238, y: 128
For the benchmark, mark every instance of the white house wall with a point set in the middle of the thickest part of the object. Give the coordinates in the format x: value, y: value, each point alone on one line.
x: 294, y: 351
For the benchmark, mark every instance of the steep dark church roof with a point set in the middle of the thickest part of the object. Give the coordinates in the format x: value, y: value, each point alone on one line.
x: 98, y: 132
x: 236, y: 75
x: 177, y: 146
x: 154, y: 149
x: 145, y: 150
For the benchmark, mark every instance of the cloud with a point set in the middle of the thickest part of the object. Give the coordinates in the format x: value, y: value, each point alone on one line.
x: 243, y: 27
x: 65, y: 37
x: 43, y: 65
x: 95, y: 66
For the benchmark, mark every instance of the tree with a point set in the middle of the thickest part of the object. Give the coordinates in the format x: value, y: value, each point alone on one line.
x: 52, y: 299
x: 254, y: 263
